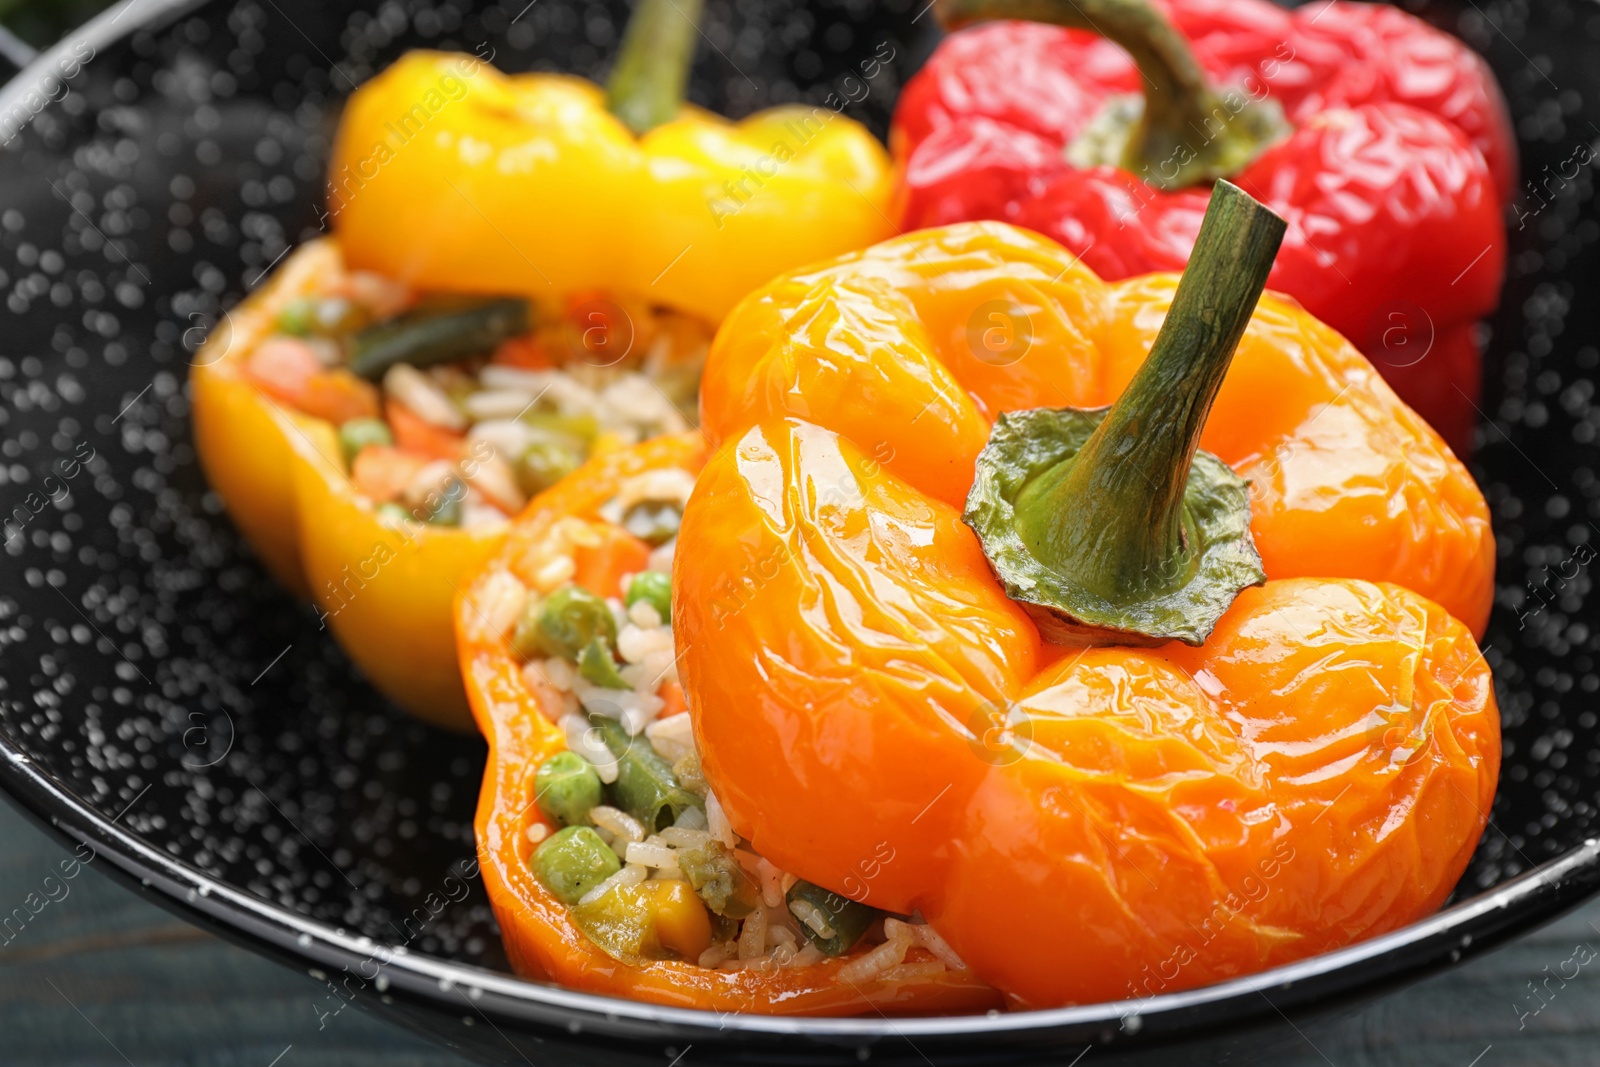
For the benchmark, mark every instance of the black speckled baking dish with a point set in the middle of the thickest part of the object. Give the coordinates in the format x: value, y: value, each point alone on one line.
x: 163, y: 701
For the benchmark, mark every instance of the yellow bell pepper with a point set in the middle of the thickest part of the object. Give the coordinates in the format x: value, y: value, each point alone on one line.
x: 527, y: 184
x: 385, y: 591
x: 449, y: 176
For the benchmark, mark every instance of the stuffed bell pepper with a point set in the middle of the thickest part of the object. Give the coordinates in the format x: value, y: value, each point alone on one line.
x: 789, y: 760
x: 1114, y: 700
x: 609, y: 864
x: 526, y: 272
x: 1382, y: 141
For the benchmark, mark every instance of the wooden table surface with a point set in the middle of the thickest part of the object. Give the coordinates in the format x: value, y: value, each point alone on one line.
x: 101, y: 977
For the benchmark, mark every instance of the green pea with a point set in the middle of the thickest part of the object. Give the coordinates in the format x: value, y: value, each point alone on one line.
x: 655, y: 589
x: 597, y: 665
x: 567, y: 787
x: 298, y: 316
x: 573, y: 861
x: 579, y: 431
x: 570, y: 618
x: 359, y: 433
x: 653, y: 521
x: 545, y: 463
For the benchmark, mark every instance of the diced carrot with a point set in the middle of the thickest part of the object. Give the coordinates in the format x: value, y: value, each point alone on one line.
x: 381, y: 473
x: 339, y: 396
x: 414, y: 434
x: 288, y: 370
x: 600, y: 568
x: 674, y: 701
x: 281, y: 367
x: 526, y: 352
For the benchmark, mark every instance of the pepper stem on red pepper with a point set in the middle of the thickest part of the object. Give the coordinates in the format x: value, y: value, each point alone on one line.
x: 647, y: 84
x: 1182, y: 132
x: 1110, y: 526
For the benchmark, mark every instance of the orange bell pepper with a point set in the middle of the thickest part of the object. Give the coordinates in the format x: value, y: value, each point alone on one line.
x: 1104, y: 770
x: 541, y: 938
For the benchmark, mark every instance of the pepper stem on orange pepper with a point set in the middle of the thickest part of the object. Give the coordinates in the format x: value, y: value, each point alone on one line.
x: 647, y: 84
x: 1110, y: 526
x: 1183, y: 132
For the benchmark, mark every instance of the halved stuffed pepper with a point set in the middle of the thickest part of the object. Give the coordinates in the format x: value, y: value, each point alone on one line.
x: 610, y: 866
x: 526, y: 271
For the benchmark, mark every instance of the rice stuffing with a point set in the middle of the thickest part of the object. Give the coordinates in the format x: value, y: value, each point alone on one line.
x: 627, y: 806
x: 455, y: 410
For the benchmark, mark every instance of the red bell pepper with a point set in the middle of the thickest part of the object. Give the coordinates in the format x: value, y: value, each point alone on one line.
x: 1384, y: 142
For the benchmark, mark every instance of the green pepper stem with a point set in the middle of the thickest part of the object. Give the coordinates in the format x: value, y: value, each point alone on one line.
x: 647, y: 84
x: 1185, y: 134
x: 1111, y: 519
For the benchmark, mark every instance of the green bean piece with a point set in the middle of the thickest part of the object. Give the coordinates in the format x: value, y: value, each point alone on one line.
x: 597, y: 665
x: 655, y: 589
x: 544, y: 463
x: 444, y: 504
x: 357, y: 434
x: 645, y: 787
x: 724, y: 886
x: 298, y: 316
x: 567, y: 788
x: 573, y: 861
x: 570, y: 618
x: 844, y: 920
x: 432, y: 335
x: 653, y: 521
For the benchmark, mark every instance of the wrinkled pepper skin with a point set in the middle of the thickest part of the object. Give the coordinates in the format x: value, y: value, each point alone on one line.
x: 1393, y: 180
x: 541, y: 938
x: 385, y: 593
x: 1080, y: 825
x: 526, y: 184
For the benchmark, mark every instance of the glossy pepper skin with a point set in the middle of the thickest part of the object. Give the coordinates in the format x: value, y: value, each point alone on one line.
x: 453, y: 177
x: 1080, y: 824
x: 385, y: 592
x: 526, y: 184
x: 1392, y: 180
x: 541, y: 938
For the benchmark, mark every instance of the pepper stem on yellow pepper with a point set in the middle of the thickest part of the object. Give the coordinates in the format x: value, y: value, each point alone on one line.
x: 647, y: 85
x: 1110, y: 526
x: 1182, y: 132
